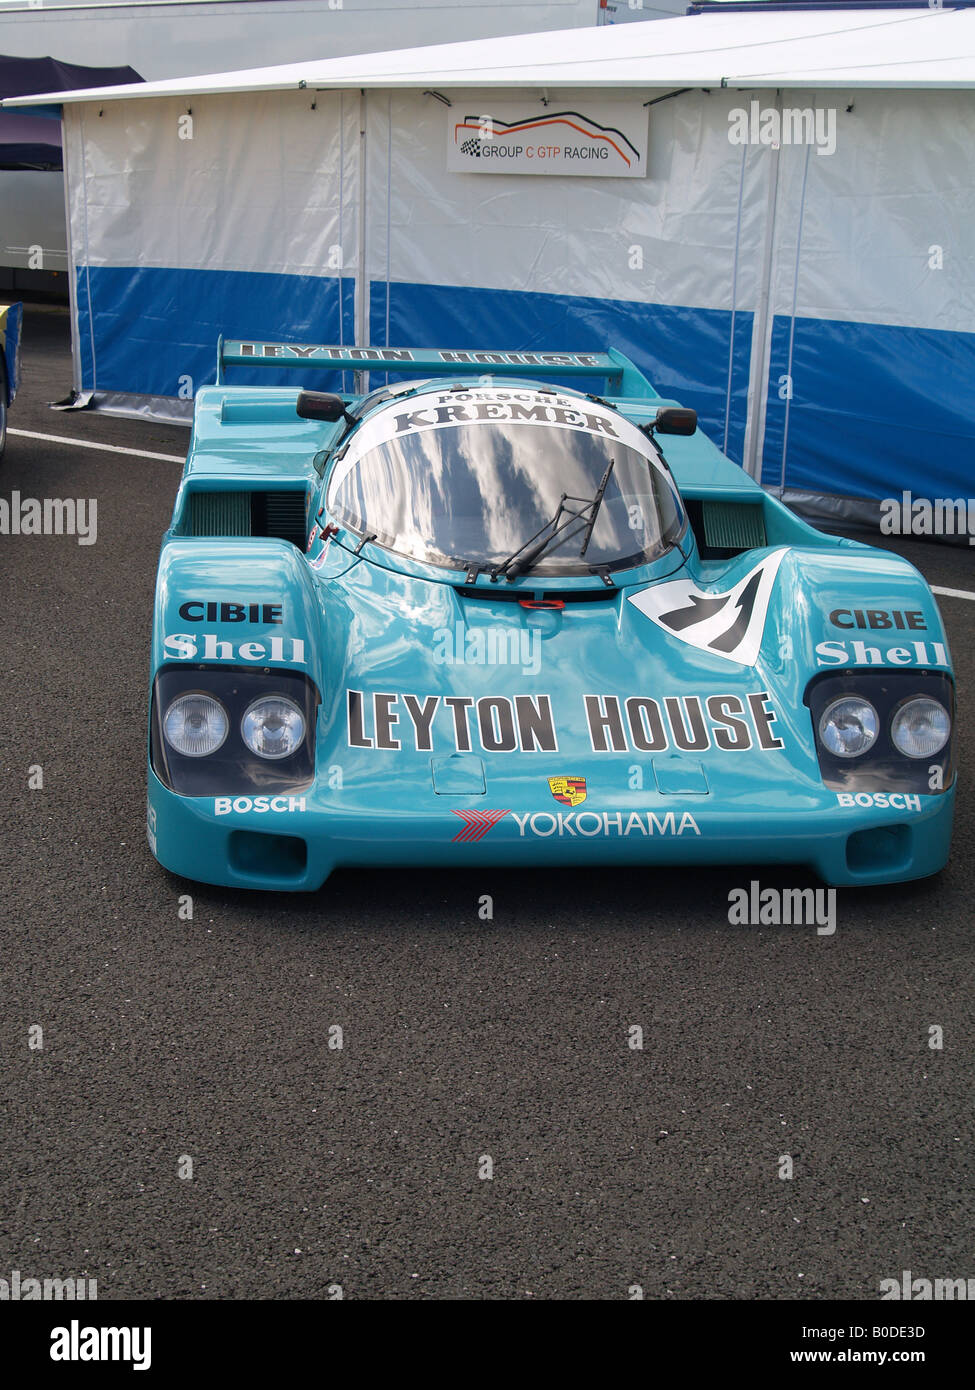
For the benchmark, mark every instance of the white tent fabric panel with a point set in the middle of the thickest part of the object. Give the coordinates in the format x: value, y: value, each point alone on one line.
x: 900, y: 185
x: 261, y: 183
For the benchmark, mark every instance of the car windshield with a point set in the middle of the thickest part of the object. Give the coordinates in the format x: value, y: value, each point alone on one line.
x: 465, y: 478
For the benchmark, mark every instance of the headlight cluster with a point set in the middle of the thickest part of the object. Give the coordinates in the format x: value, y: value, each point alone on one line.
x: 196, y: 725
x: 886, y: 731
x: 227, y: 731
x: 849, y: 726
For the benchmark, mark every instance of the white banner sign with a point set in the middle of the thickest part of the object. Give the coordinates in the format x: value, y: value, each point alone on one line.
x: 607, y: 139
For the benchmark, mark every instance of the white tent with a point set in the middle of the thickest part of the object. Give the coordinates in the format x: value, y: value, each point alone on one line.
x: 789, y: 248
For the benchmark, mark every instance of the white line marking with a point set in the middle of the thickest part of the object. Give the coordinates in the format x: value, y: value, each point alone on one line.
x: 106, y: 448
x: 952, y: 593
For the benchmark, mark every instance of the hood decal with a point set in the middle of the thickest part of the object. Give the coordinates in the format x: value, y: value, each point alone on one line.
x: 730, y: 624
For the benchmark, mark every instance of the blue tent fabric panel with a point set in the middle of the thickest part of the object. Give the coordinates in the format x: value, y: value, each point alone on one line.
x: 876, y: 409
x: 140, y: 330
x: 683, y: 351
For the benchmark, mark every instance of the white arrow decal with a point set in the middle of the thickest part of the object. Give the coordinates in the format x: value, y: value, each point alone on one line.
x: 729, y: 624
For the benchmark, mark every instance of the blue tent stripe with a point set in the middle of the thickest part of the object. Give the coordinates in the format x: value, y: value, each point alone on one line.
x: 876, y: 409
x: 155, y: 328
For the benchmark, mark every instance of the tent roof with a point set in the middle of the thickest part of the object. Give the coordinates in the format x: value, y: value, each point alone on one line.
x: 764, y: 49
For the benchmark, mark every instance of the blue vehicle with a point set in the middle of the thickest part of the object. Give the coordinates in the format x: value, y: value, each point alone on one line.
x: 11, y: 322
x: 475, y: 619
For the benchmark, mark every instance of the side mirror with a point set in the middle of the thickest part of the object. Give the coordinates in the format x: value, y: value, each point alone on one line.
x: 672, y: 419
x: 321, y: 405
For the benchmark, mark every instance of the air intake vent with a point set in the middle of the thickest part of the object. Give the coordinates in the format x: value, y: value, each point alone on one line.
x: 278, y: 514
x: 734, y: 525
x: 220, y: 513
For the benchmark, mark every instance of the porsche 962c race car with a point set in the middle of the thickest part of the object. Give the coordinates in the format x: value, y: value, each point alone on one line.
x: 471, y: 619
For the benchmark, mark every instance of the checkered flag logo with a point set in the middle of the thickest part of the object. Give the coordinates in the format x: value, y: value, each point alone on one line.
x: 477, y: 824
x: 472, y: 146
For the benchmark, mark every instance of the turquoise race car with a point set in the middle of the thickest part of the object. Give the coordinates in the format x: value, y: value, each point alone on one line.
x: 471, y: 618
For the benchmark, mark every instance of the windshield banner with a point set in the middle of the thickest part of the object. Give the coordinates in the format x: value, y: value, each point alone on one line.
x: 439, y: 408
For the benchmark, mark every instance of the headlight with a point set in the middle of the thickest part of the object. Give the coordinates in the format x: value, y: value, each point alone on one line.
x: 849, y: 726
x: 920, y: 728
x: 273, y: 727
x: 195, y: 725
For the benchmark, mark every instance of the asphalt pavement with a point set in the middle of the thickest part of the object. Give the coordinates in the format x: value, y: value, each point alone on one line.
x: 316, y: 1167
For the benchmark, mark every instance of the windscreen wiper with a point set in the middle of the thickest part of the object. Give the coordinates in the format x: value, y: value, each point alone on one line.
x: 596, y: 503
x: 523, y: 559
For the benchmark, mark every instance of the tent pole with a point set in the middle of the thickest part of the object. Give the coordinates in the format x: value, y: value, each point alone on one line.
x: 362, y: 278
x: 762, y: 325
x: 734, y: 302
x: 792, y: 319
x: 72, y: 264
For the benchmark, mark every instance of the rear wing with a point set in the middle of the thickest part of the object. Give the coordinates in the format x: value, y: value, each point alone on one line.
x: 619, y: 374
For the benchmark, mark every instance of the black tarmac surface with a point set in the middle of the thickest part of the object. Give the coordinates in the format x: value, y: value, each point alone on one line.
x: 314, y: 1166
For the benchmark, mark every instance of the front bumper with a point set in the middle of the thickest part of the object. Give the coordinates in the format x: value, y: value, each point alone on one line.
x: 293, y: 843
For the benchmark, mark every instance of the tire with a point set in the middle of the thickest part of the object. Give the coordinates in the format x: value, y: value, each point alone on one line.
x: 3, y: 406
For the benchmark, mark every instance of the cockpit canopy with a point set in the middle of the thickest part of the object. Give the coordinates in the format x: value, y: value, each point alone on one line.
x: 462, y: 477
